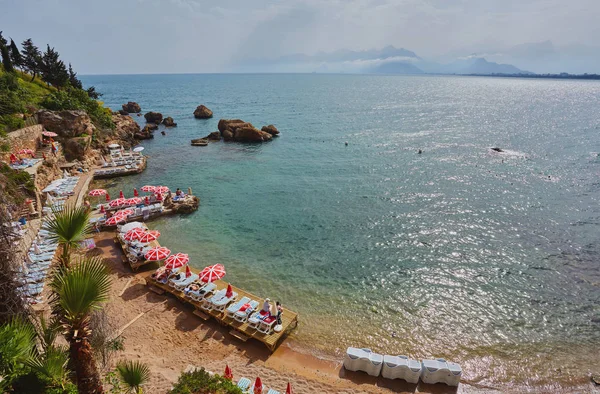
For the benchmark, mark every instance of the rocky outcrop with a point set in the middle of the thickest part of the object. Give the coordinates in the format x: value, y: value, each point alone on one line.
x: 214, y: 136
x: 153, y: 117
x: 132, y: 107
x: 121, y: 112
x: 168, y: 122
x: 77, y: 148
x: 125, y: 130
x: 67, y: 124
x: 202, y: 112
x: 150, y: 127
x: 188, y: 205
x: 200, y: 142
x: 270, y: 129
x: 240, y: 131
x: 147, y: 132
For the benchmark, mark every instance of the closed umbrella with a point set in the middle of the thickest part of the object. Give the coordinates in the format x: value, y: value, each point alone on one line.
x: 157, y: 253
x: 289, y: 389
x: 258, y: 387
x: 228, y: 375
x: 121, y: 194
x: 135, y: 192
x: 107, y: 197
x: 149, y: 236
x: 188, y: 271
x: 229, y: 292
x: 134, y: 234
x: 212, y: 273
x: 177, y: 260
x: 159, y: 197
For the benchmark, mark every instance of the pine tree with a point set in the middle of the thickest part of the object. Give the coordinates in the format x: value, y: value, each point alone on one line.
x: 91, y: 91
x: 32, y: 58
x: 5, y: 52
x: 75, y: 82
x: 54, y: 70
x: 15, y: 55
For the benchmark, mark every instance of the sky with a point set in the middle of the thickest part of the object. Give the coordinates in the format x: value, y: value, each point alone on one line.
x: 187, y: 36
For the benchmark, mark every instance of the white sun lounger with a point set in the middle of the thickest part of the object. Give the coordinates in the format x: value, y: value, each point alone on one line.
x: 233, y: 308
x: 186, y: 281
x: 243, y: 384
x: 207, y: 303
x: 203, y: 292
x: 220, y: 304
x: 255, y: 319
x: 242, y: 316
x: 266, y: 325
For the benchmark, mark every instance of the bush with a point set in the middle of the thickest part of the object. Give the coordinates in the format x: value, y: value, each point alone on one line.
x: 16, y: 178
x: 72, y: 98
x: 200, y: 382
x: 10, y: 123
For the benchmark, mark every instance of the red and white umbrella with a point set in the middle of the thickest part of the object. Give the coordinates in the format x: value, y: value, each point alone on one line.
x: 161, y: 189
x: 49, y: 134
x: 121, y: 194
x: 97, y: 192
x: 133, y: 201
x: 117, y: 202
x: 148, y: 188
x: 212, y: 273
x: 124, y: 212
x: 149, y: 236
x: 134, y: 234
x: 114, y: 220
x: 258, y: 386
x: 177, y: 260
x: 135, y: 192
x: 157, y: 253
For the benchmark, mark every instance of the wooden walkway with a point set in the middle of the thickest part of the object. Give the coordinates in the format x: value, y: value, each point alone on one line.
x: 239, y: 330
x: 135, y: 264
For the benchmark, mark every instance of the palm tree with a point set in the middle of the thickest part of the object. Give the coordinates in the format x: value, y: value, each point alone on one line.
x: 17, y: 343
x: 69, y: 227
x: 77, y: 291
x: 134, y: 375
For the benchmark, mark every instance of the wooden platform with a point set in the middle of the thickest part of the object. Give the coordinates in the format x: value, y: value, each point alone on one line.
x: 239, y: 330
x: 135, y: 265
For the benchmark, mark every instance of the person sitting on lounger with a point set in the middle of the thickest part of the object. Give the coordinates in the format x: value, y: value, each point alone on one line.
x: 193, y: 287
x: 178, y: 192
x: 266, y: 309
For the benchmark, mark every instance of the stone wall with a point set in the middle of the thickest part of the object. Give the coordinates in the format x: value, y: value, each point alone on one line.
x: 25, y: 138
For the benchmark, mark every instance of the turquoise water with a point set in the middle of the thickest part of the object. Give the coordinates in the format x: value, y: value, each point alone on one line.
x: 489, y: 259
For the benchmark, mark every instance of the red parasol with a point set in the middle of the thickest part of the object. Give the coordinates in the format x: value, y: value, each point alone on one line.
x: 124, y: 212
x: 161, y: 189
x: 258, y: 387
x: 117, y: 202
x: 188, y: 272
x: 107, y: 197
x: 228, y: 375
x: 177, y: 260
x: 149, y: 236
x: 229, y: 292
x: 25, y: 152
x: 101, y: 208
x: 289, y: 389
x: 121, y: 194
x: 133, y: 201
x: 134, y: 234
x: 114, y: 220
x: 158, y: 253
x: 97, y: 192
x: 147, y: 200
x: 135, y: 192
x: 13, y: 158
x: 49, y: 134
x: 212, y: 273
x: 148, y: 188
x: 159, y: 197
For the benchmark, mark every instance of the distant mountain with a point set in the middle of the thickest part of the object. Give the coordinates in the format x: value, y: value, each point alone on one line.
x: 482, y: 66
x: 395, y: 68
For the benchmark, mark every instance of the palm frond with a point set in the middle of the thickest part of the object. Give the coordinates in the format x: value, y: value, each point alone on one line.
x: 134, y: 374
x: 69, y: 226
x: 48, y: 331
x: 78, y: 291
x: 17, y: 347
x: 52, y: 364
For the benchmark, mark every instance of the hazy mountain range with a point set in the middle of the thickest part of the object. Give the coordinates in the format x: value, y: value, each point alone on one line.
x: 525, y: 59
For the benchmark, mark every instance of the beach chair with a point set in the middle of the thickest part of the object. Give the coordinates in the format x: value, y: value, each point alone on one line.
x: 186, y: 281
x: 203, y: 292
x: 220, y: 304
x: 255, y: 319
x: 242, y: 315
x: 233, y: 308
x: 266, y: 325
x: 271, y: 391
x: 243, y: 384
x: 207, y: 303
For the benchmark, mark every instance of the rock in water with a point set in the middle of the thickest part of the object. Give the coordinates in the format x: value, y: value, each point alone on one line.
x: 596, y: 379
x: 202, y: 112
x: 214, y: 136
x: 497, y: 150
x: 168, y: 122
x: 132, y: 107
x: 153, y: 117
x: 238, y: 130
x: 123, y: 112
x: 270, y: 129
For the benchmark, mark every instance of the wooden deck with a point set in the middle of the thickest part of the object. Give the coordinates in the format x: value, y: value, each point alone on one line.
x: 139, y: 263
x: 239, y: 330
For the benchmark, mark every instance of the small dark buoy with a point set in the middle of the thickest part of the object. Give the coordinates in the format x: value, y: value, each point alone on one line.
x: 420, y: 151
x: 163, y: 132
x: 346, y: 143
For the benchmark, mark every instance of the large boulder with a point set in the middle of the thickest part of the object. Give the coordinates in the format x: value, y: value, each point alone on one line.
x: 238, y: 130
x: 202, y: 112
x: 151, y: 127
x: 168, y: 122
x: 67, y: 124
x: 132, y: 107
x: 153, y: 117
x: 77, y: 148
x: 121, y: 112
x: 214, y: 136
x: 270, y: 129
x: 125, y: 129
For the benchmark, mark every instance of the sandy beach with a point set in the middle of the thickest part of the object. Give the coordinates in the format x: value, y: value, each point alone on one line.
x: 170, y: 338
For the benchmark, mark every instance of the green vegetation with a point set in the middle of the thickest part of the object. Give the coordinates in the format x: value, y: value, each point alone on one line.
x: 22, y: 91
x: 68, y: 228
x: 133, y: 375
x: 17, y: 180
x: 200, y: 382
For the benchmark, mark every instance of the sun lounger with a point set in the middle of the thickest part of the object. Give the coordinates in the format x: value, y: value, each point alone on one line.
x: 181, y: 284
x: 255, y: 319
x: 233, y: 308
x: 244, y: 383
x: 203, y: 292
x: 207, y: 303
x: 219, y: 305
x: 266, y: 325
x: 271, y: 391
x: 242, y: 315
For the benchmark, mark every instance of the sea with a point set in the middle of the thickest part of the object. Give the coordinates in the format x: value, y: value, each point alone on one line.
x: 384, y: 218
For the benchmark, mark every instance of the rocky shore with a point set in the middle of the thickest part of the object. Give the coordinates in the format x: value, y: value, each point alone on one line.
x: 240, y: 131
